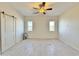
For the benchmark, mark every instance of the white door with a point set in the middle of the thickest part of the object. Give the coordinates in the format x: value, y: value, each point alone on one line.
x: 10, y: 32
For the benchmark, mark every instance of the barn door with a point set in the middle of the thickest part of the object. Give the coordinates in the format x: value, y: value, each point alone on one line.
x: 10, y: 31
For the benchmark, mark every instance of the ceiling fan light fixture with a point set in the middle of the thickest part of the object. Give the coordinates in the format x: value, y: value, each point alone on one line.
x: 41, y: 10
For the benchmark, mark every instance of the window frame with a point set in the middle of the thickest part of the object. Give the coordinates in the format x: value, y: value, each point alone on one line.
x: 28, y: 26
x: 52, y: 26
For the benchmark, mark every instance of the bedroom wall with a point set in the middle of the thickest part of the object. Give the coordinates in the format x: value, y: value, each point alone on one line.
x: 40, y: 27
x: 19, y: 23
x: 69, y: 27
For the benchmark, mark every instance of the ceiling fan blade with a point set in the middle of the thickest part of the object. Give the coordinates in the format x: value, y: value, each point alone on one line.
x: 43, y: 3
x: 49, y: 9
x: 35, y: 8
x: 36, y: 12
x: 44, y: 13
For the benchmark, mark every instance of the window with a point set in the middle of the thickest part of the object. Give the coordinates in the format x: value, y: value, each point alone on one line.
x: 30, y: 25
x: 51, y: 26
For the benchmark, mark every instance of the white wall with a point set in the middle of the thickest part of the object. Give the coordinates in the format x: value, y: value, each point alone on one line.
x: 19, y: 23
x: 40, y: 27
x: 19, y: 29
x: 69, y: 27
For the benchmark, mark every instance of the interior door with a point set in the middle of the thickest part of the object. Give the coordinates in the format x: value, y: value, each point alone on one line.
x: 10, y: 36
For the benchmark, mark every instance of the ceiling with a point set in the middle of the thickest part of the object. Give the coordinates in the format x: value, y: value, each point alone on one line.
x: 26, y: 8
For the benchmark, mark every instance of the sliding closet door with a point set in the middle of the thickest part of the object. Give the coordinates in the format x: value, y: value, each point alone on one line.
x: 0, y: 33
x: 10, y: 32
x: 3, y: 34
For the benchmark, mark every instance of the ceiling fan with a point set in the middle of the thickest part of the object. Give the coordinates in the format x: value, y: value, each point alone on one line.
x: 41, y: 8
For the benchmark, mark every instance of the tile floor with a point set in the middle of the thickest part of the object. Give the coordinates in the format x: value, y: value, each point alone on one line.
x: 41, y: 47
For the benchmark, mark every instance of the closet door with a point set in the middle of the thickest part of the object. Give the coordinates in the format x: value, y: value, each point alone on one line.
x: 10, y: 35
x: 3, y: 34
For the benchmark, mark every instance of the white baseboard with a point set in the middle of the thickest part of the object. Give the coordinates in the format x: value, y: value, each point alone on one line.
x: 42, y: 38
